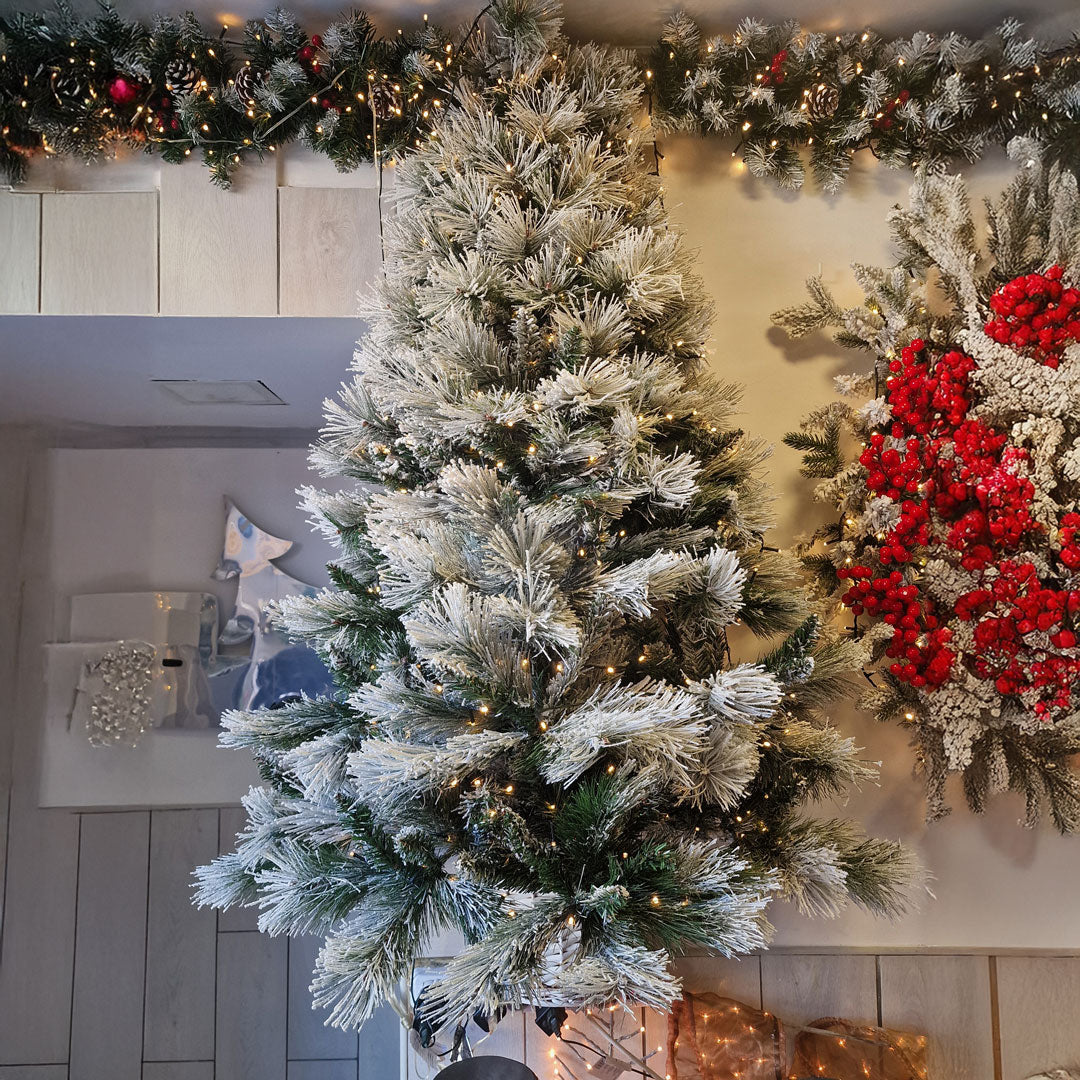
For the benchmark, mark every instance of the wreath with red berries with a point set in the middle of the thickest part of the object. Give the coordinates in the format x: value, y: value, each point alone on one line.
x: 957, y: 550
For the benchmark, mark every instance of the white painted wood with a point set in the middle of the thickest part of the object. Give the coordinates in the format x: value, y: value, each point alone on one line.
x: 33, y: 1072
x: 231, y: 820
x: 309, y: 1037
x: 299, y: 166
x: 42, y: 855
x: 39, y: 931
x: 124, y: 169
x: 251, y: 1007
x: 329, y: 248
x: 947, y: 999
x: 324, y: 1070
x: 1039, y: 1009
x: 99, y: 254
x: 799, y: 987
x: 110, y: 947
x: 181, y: 940
x: 380, y: 1056
x: 20, y: 248
x: 218, y: 248
x: 178, y: 1070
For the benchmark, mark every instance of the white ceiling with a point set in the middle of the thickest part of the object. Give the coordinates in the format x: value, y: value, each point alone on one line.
x: 73, y: 372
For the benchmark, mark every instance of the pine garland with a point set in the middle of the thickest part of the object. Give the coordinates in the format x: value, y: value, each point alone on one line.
x: 174, y: 87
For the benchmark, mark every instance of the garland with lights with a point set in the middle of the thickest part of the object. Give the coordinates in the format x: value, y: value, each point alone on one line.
x: 85, y: 87
x: 542, y: 739
x: 959, y: 529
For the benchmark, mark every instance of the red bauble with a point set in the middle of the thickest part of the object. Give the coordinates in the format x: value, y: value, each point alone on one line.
x: 305, y: 52
x: 316, y: 40
x: 124, y: 90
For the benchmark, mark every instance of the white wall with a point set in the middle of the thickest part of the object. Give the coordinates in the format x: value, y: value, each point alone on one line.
x: 996, y: 884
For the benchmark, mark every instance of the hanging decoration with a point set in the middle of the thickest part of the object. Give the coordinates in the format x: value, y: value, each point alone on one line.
x: 958, y: 541
x: 86, y: 87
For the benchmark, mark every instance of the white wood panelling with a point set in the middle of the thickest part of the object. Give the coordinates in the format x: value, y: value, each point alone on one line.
x: 322, y: 1070
x: 799, y: 987
x: 252, y: 1003
x: 70, y: 244
x: 99, y: 253
x: 946, y: 998
x: 309, y: 1037
x: 180, y: 940
x: 110, y: 947
x: 219, y: 248
x: 177, y: 1070
x: 1039, y: 1014
x: 33, y: 1072
x: 20, y: 221
x: 329, y: 248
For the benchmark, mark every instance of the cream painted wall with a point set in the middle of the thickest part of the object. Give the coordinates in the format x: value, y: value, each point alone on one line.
x: 996, y: 884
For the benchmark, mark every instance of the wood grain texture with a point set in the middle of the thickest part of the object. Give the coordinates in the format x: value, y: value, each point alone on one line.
x: 99, y: 254
x: 181, y: 940
x: 946, y: 998
x: 20, y: 250
x: 1039, y: 1010
x: 231, y: 820
x: 33, y: 1072
x: 380, y: 1046
x: 252, y: 1007
x: 326, y: 1070
x: 798, y: 987
x: 39, y: 935
x: 329, y: 248
x: 178, y: 1070
x: 309, y: 1037
x: 218, y: 248
x: 110, y: 947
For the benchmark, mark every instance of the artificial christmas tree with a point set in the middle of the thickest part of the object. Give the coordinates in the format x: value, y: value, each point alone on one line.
x: 542, y: 738
x: 958, y: 527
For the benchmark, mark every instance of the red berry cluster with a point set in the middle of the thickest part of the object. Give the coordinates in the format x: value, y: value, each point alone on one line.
x: 775, y: 75
x: 1036, y: 314
x: 884, y: 119
x: 961, y: 495
x: 1014, y: 605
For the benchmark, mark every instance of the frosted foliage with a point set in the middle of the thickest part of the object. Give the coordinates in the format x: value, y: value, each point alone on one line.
x: 542, y: 739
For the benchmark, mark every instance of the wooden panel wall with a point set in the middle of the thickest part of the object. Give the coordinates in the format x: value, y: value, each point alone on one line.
x: 288, y: 240
x: 985, y: 1017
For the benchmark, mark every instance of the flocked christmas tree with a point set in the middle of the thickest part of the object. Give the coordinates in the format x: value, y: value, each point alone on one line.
x: 958, y: 537
x: 541, y: 737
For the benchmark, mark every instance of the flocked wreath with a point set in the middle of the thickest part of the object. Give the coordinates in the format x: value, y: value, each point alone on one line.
x: 957, y: 546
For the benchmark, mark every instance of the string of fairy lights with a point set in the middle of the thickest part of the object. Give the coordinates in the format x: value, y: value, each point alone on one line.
x: 88, y: 88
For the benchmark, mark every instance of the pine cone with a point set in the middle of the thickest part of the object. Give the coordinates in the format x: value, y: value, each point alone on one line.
x: 246, y: 81
x: 181, y: 76
x: 384, y: 100
x: 823, y: 101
